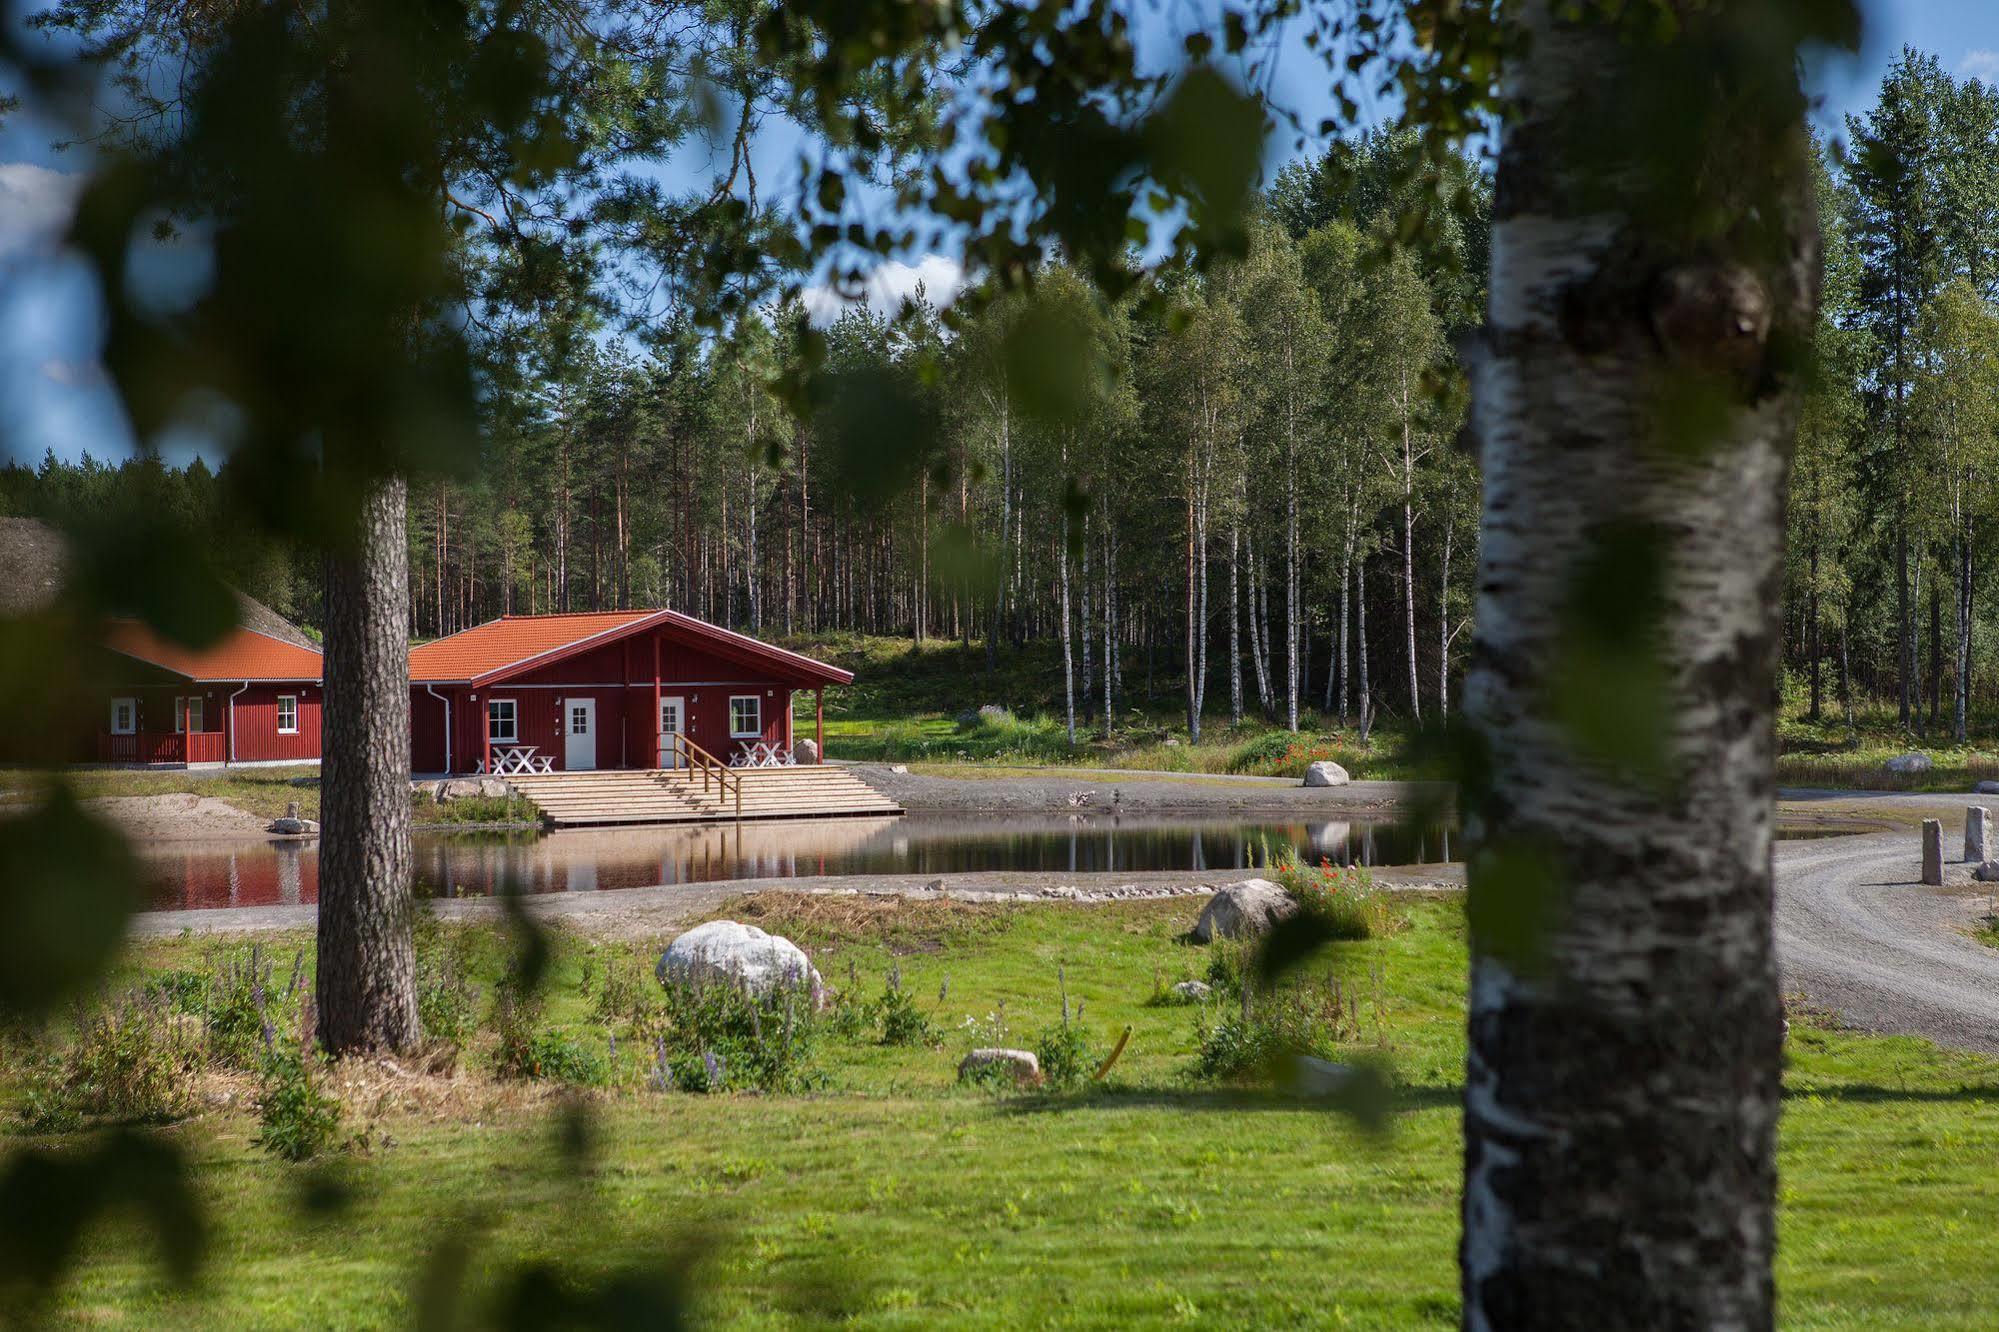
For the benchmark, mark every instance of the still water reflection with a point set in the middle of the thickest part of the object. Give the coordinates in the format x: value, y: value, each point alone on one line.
x: 596, y: 860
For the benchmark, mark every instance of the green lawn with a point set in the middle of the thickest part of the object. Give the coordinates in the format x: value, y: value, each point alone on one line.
x: 889, y: 1197
x: 261, y: 791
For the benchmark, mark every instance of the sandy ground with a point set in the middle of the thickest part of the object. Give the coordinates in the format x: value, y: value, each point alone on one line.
x: 183, y: 817
x: 1040, y: 790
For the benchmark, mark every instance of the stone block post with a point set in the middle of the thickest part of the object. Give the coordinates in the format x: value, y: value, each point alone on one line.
x: 1977, y: 834
x: 1933, y: 851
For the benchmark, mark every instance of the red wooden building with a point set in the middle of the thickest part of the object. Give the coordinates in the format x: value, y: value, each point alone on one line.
x: 603, y: 689
x: 254, y: 697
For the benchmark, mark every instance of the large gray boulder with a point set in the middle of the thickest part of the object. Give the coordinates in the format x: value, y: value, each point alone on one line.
x: 738, y: 954
x: 805, y: 751
x: 1326, y: 773
x: 1242, y: 909
x: 1020, y: 1065
x: 1909, y: 763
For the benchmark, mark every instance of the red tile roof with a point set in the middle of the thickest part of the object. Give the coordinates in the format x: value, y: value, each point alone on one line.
x: 503, y: 647
x: 244, y: 654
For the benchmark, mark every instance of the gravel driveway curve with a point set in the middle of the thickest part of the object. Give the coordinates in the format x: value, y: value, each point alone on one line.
x: 1858, y: 934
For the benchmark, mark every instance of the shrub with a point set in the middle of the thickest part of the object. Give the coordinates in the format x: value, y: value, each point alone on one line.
x: 446, y: 1002
x: 132, y: 1062
x: 1343, y: 897
x: 556, y: 1056
x: 1064, y: 1053
x: 1298, y: 1019
x: 762, y: 1040
x: 1264, y: 751
x: 896, y: 1013
x: 296, y: 1120
x: 245, y: 1007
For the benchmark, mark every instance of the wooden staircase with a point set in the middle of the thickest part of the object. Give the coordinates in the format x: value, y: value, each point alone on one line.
x: 574, y: 799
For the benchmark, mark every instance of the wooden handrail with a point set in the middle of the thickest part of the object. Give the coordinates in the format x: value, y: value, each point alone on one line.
x: 726, y: 779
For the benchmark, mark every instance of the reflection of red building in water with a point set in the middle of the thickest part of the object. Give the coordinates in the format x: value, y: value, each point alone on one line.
x: 256, y: 874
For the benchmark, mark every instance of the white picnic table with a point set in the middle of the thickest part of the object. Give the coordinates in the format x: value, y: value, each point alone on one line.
x: 757, y: 754
x: 511, y: 760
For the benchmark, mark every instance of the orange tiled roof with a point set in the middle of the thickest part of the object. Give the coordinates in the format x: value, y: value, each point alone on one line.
x: 500, y: 647
x: 244, y: 654
x: 509, y: 640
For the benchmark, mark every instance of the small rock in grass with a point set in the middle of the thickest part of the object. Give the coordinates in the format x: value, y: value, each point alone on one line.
x: 1321, y: 1077
x: 1988, y: 872
x: 1021, y: 1065
x: 1193, y: 992
x: 805, y: 752
x: 1909, y: 763
x: 899, y: 767
x: 1326, y: 773
x: 1249, y: 907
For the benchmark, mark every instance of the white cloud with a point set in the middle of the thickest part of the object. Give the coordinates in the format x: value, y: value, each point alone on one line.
x: 1980, y: 64
x: 886, y: 287
x: 35, y: 204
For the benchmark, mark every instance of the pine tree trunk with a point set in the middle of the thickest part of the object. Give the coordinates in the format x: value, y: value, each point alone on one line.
x: 1620, y: 1161
x: 366, y: 974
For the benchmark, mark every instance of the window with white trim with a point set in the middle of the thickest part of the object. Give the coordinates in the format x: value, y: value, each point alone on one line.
x: 746, y: 717
x: 287, y: 714
x: 188, y: 714
x: 124, y: 716
x: 502, y: 720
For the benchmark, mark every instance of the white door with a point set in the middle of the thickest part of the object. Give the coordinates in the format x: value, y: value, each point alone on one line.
x: 579, y: 750
x: 672, y: 716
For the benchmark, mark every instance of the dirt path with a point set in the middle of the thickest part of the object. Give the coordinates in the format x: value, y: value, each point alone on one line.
x: 1857, y: 934
x: 1026, y: 790
x: 182, y: 817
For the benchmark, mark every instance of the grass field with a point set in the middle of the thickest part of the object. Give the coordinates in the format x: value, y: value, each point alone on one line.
x: 265, y: 792
x: 888, y: 1197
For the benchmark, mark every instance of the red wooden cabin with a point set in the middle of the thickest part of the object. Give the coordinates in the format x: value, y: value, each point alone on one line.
x: 252, y: 698
x: 603, y: 689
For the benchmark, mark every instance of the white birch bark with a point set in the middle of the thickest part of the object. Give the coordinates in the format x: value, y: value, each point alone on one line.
x: 1621, y: 1097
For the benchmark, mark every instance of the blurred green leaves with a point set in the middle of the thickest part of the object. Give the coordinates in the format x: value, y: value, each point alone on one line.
x: 48, y: 1199
x: 68, y: 885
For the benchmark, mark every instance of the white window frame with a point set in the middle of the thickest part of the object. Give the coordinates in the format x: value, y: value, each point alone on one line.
x: 190, y: 713
x: 513, y: 735
x: 131, y: 726
x: 754, y: 700
x: 282, y: 700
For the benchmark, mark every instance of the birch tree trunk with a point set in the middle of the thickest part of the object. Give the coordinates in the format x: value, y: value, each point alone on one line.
x: 366, y: 978
x: 1621, y: 1096
x: 1409, y: 553
x: 1293, y: 613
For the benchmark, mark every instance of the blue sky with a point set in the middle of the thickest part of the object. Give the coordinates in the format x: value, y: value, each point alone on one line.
x: 52, y: 397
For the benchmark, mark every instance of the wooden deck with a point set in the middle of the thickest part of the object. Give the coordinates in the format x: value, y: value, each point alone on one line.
x: 577, y: 799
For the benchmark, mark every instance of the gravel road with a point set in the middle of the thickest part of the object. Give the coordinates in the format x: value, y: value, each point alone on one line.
x: 1857, y: 934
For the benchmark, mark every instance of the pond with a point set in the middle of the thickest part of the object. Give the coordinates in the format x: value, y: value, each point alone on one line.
x: 596, y: 860
x: 601, y: 859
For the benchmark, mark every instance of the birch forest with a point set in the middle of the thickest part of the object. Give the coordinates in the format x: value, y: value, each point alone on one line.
x: 1246, y: 491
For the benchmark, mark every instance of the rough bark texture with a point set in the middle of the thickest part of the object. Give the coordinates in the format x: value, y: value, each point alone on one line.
x: 1621, y: 1096
x: 367, y: 963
